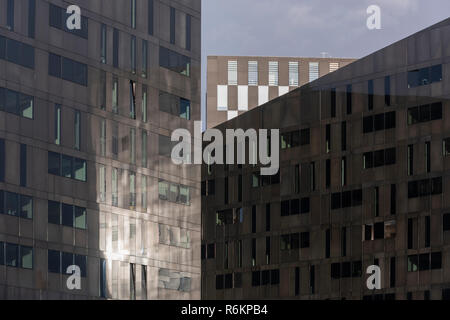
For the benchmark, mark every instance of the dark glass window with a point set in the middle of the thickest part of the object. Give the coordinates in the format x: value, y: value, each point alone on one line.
x: 370, y: 94
x: 436, y: 111
x: 304, y: 240
x: 446, y: 222
x: 174, y: 61
x: 356, y: 269
x: 390, y: 156
x: 256, y: 278
x: 26, y: 207
x: 368, y: 124
x: 31, y: 17
x: 150, y: 17
x: 436, y: 73
x: 295, y: 206
x: 368, y: 160
x: 67, y: 215
x: 172, y: 25
x: 436, y: 260
x: 26, y: 257
x: 413, y: 263
x: 389, y: 119
x: 188, y: 32
x: 335, y: 201
x: 66, y: 261
x: 357, y: 197
x: 335, y: 270
x: 10, y: 15
x: 413, y: 116
x: 346, y: 269
x: 54, y: 65
x: 274, y: 277
x: 305, y: 137
x: 12, y: 204
x: 23, y: 165
x: 304, y: 205
x: 211, y: 251
x: 2, y: 160
x: 333, y: 102
x: 229, y: 281
x: 343, y: 136
x: 54, y: 213
x: 378, y: 158
x: 379, y: 122
x: 58, y: 18
x: 12, y: 255
x: 349, y: 99
x: 346, y: 199
x: 265, y: 277
x: 295, y: 241
x: 387, y: 90
x: 378, y: 230
x: 54, y: 261
x: 115, y: 48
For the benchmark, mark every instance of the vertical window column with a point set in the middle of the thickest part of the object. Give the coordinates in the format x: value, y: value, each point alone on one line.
x: 23, y: 165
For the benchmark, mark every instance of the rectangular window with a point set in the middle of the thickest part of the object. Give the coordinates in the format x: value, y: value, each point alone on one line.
x: 370, y: 95
x: 393, y: 199
x: 150, y: 17
x: 115, y: 94
x: 232, y: 72
x: 133, y: 145
x: 68, y: 69
x: 31, y: 18
x: 144, y: 108
x: 102, y: 183
x: 103, y: 137
x: 333, y: 102
x: 10, y: 15
x: 174, y: 61
x: 349, y: 99
x: 132, y: 281
x: 410, y: 233
x: 77, y: 129
x: 102, y: 278
x: 23, y: 165
x: 144, y: 148
x: 313, y: 71
x: 144, y: 192
x: 2, y: 162
x: 253, y: 219
x: 328, y: 173
x: 188, y: 32
x: 133, y: 54
x: 103, y: 42
x: 253, y: 73
x: 427, y: 231
x: 328, y: 138
x: 327, y: 243
x: 172, y: 25
x: 115, y: 187
x: 377, y: 201
x: 343, y: 171
x: 344, y: 136
x: 253, y: 252
x: 132, y: 181
x: 12, y: 255
x: 132, y: 99
x: 344, y: 241
x: 102, y: 89
x: 313, y: 175
x: 17, y: 52
x: 58, y: 18
x: 293, y: 74
x: 133, y: 14
x: 115, y: 48
x: 428, y: 156
x: 144, y: 58
x: 387, y: 90
x: 273, y: 73
x: 410, y: 160
x: 424, y: 76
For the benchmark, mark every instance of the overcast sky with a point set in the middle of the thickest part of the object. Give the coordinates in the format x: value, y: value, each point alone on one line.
x: 306, y: 28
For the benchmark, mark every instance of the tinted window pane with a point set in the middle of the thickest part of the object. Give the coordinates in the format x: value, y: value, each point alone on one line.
x: 26, y: 207
x: 26, y: 257
x: 12, y: 101
x: 54, y: 212
x: 54, y: 261
x: 11, y: 204
x: 2, y: 47
x: 436, y: 111
x: 67, y: 215
x: 66, y: 166
x: 54, y: 163
x: 55, y: 16
x: 79, y: 169
x: 2, y: 254
x: 390, y: 120
x: 379, y: 122
x: 13, y: 51
x: 66, y: 261
x: 80, y: 218
x: 26, y: 56
x: 436, y: 73
x: 26, y: 106
x: 413, y: 115
x: 368, y: 124
x: 12, y: 255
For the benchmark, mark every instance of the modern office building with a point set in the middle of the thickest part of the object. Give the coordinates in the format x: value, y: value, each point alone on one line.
x: 85, y: 177
x: 238, y: 84
x: 364, y: 180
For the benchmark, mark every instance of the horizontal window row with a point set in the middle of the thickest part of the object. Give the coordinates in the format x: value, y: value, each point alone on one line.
x: 346, y: 199
x: 424, y: 76
x: 67, y: 69
x: 229, y: 281
x: 229, y: 216
x: 17, y: 256
x: 17, y: 52
x: 425, y: 113
x: 175, y: 105
x: 265, y: 277
x: 379, y: 230
x: 425, y: 261
x: 378, y: 122
x: 173, y: 192
x: 423, y: 188
x: 174, y: 61
x: 261, y: 181
x: 17, y: 205
x: 379, y: 158
x: 294, y: 241
x: 346, y: 270
x: 16, y: 103
x: 295, y: 138
x: 58, y: 17
x: 67, y: 166
x: 58, y: 262
x: 295, y: 206
x: 67, y: 215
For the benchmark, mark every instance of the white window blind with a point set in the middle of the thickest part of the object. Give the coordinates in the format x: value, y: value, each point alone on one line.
x: 313, y: 71
x: 222, y: 97
x: 273, y: 73
x: 232, y: 73
x: 293, y: 74
x: 334, y: 66
x: 243, y: 98
x: 253, y: 73
x: 263, y: 94
x: 283, y: 90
